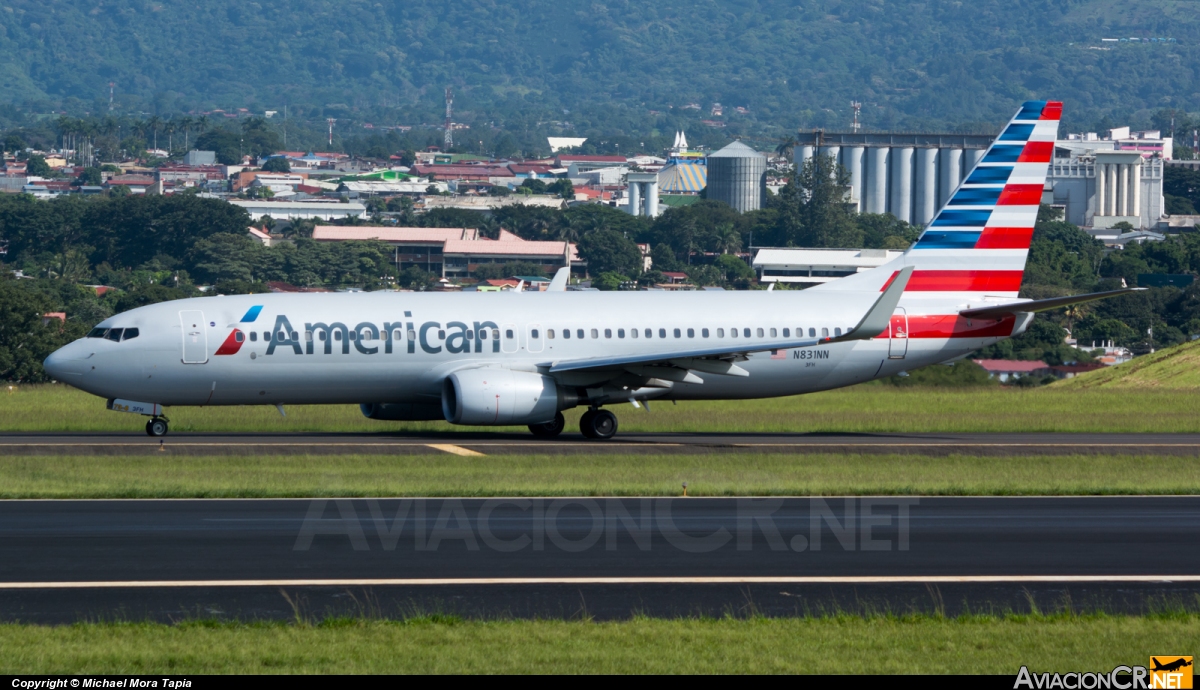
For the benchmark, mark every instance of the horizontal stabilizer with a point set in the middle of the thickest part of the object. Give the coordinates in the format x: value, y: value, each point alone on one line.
x: 1028, y: 306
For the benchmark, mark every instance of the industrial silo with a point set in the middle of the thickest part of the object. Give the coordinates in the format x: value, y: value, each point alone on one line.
x: 737, y: 175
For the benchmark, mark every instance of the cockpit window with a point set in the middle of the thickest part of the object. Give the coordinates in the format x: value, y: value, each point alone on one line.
x: 114, y: 334
x: 97, y: 333
x: 130, y: 334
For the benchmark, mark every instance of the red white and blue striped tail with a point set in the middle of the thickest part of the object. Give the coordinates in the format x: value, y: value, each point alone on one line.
x: 977, y: 244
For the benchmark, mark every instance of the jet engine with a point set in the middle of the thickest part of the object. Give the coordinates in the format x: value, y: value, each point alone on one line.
x: 497, y: 397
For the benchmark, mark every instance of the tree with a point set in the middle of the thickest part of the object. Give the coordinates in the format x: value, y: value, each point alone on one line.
x: 610, y: 251
x: 735, y: 271
x: 13, y: 143
x: 90, y: 176
x: 277, y: 164
x: 562, y: 187
x: 534, y: 185
x: 825, y: 219
x: 38, y: 166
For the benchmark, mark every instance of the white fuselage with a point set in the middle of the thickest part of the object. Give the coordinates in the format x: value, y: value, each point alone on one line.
x: 405, y: 344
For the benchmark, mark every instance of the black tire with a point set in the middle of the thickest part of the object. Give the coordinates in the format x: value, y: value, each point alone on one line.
x: 157, y: 427
x: 549, y: 429
x: 598, y: 424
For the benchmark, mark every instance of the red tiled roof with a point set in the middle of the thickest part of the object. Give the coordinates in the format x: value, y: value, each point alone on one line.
x: 338, y: 233
x: 1011, y: 366
x: 568, y: 158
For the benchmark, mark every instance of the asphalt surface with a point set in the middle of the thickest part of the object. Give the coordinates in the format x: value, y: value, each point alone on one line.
x: 606, y: 558
x: 495, y: 443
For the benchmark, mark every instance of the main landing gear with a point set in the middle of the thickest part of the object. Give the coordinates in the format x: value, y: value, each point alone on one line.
x: 598, y: 424
x: 595, y: 423
x: 549, y: 429
x: 157, y: 427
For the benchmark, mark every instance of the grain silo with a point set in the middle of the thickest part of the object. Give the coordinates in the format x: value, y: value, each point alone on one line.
x: 737, y: 175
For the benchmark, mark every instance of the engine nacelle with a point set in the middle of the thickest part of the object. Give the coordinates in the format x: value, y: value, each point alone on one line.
x: 401, y: 412
x: 498, y: 397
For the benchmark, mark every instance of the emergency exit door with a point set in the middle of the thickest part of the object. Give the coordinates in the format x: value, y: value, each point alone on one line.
x: 898, y: 335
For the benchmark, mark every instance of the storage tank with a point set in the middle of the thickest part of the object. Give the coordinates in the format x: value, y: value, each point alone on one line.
x: 737, y: 175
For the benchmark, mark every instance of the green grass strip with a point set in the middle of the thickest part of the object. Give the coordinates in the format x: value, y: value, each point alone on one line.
x: 728, y: 474
x: 865, y: 408
x: 841, y: 645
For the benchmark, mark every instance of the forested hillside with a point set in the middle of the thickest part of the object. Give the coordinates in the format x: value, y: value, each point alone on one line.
x: 790, y: 63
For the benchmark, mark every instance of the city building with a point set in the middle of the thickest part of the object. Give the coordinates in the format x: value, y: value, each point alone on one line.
x: 301, y: 210
x: 455, y: 252
x: 737, y: 175
x: 807, y: 267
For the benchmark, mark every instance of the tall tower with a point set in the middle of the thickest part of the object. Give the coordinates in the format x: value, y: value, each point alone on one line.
x: 449, y: 140
x: 856, y: 125
x: 331, y: 120
x: 111, y: 86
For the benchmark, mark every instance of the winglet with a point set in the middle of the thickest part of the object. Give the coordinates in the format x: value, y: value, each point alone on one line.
x: 879, y: 317
x: 559, y: 283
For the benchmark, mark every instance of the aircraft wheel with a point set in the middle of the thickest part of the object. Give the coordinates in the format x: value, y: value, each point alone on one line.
x: 157, y: 427
x: 598, y: 424
x: 549, y: 429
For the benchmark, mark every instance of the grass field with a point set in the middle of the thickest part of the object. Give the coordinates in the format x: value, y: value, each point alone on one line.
x: 726, y: 474
x: 841, y: 645
x: 1170, y: 369
x: 866, y: 408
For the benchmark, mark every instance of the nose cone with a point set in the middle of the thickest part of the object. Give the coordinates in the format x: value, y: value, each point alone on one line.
x: 63, y: 363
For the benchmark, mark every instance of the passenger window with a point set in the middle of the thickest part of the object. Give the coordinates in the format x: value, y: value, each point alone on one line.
x: 759, y: 332
x: 470, y: 335
x: 662, y: 332
x: 237, y: 335
x: 254, y: 336
x: 534, y: 334
x: 412, y: 335
x: 595, y: 334
x: 837, y: 331
x: 733, y: 333
x: 824, y: 332
x: 677, y: 334
x: 812, y: 332
x: 307, y: 336
x: 720, y: 332
x: 321, y: 335
x: 787, y: 332
x: 550, y: 333
x: 607, y: 332
x: 579, y: 333
x: 772, y: 332
x: 649, y: 333
x: 353, y: 335
x: 131, y: 333
x: 114, y: 334
x: 508, y: 333
x: 704, y: 332
x: 620, y: 332
x: 691, y: 333
x: 266, y: 336
x: 399, y: 335
x: 633, y: 333
x: 295, y: 335
x: 97, y: 333
x: 441, y: 334
x: 567, y: 333
x: 337, y: 335
x: 746, y: 332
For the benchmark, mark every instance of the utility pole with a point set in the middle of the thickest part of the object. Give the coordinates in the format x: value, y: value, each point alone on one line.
x: 111, y: 85
x: 331, y: 120
x: 857, y: 109
x: 448, y: 141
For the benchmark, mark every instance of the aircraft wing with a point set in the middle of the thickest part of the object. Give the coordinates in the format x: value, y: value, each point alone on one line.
x: 720, y: 360
x: 1002, y: 310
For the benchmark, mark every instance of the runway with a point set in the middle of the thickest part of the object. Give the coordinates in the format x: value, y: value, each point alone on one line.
x: 607, y: 558
x: 487, y: 443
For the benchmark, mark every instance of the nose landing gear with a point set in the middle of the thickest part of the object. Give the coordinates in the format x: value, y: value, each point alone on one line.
x: 598, y: 424
x: 157, y: 427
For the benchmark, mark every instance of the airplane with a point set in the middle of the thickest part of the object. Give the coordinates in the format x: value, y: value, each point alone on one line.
x: 521, y: 358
